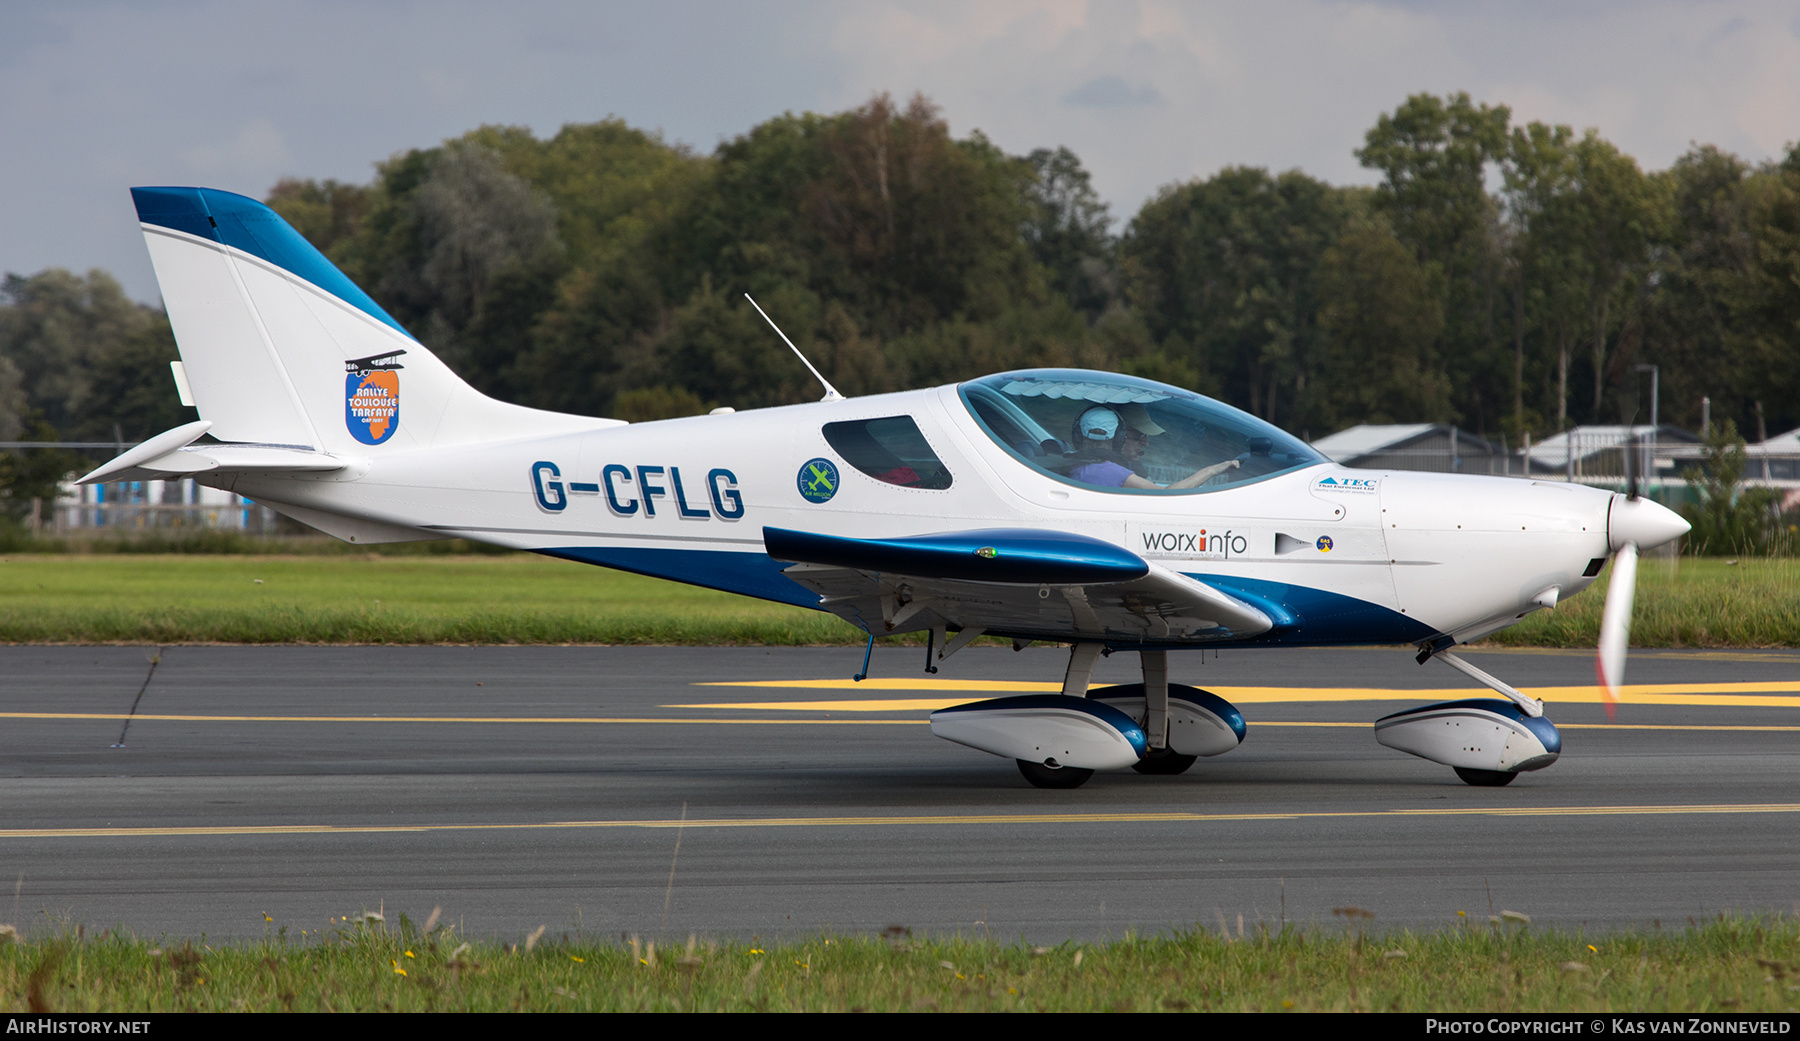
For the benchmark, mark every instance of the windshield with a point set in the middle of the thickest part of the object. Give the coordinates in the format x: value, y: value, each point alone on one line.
x: 1121, y: 433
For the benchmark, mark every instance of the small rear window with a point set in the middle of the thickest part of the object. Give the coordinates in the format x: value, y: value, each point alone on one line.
x: 891, y: 450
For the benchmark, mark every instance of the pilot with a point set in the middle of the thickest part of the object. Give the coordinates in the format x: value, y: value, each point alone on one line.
x: 1110, y: 441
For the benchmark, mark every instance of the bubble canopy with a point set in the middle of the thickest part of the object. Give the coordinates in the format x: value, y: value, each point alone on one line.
x: 1123, y: 434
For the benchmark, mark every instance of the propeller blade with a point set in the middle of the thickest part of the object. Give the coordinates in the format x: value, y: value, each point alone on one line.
x: 1615, y: 625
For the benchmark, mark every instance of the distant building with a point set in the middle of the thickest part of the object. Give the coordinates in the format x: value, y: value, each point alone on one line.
x: 1776, y: 460
x: 126, y: 507
x: 1437, y: 447
x: 1598, y: 451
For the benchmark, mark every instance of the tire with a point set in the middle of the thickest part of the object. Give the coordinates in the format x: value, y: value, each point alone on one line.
x: 1042, y: 776
x: 1485, y: 778
x: 1164, y: 763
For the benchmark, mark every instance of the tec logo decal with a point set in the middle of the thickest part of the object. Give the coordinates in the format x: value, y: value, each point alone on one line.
x: 1340, y: 483
x: 372, y: 397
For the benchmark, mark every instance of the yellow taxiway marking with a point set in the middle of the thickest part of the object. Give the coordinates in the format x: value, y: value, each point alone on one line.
x: 870, y: 705
x: 789, y: 721
x: 1683, y: 727
x: 436, y: 719
x: 907, y: 821
x: 1721, y: 695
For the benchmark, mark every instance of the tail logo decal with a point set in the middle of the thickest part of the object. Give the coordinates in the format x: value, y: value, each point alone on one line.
x: 372, y: 397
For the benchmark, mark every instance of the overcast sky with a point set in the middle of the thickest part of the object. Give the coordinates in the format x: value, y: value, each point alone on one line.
x: 100, y: 96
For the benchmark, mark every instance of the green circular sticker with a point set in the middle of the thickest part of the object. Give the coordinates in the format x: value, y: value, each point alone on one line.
x: 817, y: 480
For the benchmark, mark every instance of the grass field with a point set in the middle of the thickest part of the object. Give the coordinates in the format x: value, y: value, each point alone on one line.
x: 1683, y: 602
x: 1726, y: 965
x: 515, y: 598
x: 522, y: 598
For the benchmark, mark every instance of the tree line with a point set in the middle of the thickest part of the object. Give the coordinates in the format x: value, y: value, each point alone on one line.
x: 1504, y: 277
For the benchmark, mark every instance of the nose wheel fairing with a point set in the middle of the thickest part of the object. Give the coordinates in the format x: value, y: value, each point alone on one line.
x: 1482, y: 734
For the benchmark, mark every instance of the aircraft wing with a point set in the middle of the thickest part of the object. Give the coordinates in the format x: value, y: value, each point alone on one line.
x: 1018, y: 582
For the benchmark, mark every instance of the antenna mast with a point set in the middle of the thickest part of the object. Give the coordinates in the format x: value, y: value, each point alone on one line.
x: 831, y: 393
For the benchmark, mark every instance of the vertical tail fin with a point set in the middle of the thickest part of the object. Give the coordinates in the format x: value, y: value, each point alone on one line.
x: 280, y: 347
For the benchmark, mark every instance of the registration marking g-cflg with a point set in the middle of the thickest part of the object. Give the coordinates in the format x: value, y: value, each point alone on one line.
x: 631, y: 491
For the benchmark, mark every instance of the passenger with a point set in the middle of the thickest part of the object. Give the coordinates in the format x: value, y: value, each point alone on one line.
x: 1109, y: 443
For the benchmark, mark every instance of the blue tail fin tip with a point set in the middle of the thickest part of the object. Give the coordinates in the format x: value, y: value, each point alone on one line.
x: 249, y: 226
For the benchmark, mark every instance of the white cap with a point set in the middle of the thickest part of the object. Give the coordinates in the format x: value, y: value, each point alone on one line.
x: 1099, y: 424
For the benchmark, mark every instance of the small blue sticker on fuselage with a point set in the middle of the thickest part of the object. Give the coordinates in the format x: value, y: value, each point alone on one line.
x: 817, y: 480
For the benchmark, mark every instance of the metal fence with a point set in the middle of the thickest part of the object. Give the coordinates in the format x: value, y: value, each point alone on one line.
x: 135, y: 507
x: 1665, y: 469
x: 1442, y: 460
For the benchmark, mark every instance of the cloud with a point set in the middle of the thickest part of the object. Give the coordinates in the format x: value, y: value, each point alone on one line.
x: 1110, y: 92
x: 104, y: 94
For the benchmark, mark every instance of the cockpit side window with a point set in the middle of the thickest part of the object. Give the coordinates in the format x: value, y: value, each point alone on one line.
x: 891, y: 449
x: 1120, y: 433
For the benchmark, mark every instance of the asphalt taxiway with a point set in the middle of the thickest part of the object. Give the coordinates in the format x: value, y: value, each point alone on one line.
x: 624, y: 790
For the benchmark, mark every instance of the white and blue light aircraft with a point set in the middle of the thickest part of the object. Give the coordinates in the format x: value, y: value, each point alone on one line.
x: 1101, y: 511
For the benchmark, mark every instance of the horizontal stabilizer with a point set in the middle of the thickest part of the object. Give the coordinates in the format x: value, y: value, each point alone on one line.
x: 126, y: 466
x: 1012, y: 555
x: 173, y: 454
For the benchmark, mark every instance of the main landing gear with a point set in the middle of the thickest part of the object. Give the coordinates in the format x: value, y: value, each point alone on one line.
x: 1160, y: 728
x: 1160, y: 762
x: 1045, y: 775
x: 1059, y: 740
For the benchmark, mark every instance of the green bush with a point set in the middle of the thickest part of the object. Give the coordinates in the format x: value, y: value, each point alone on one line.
x: 1728, y: 519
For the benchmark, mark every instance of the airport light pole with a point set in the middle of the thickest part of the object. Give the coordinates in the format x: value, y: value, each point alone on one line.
x: 1649, y: 471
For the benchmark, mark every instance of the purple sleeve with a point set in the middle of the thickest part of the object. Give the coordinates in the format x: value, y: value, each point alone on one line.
x: 1104, y: 474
